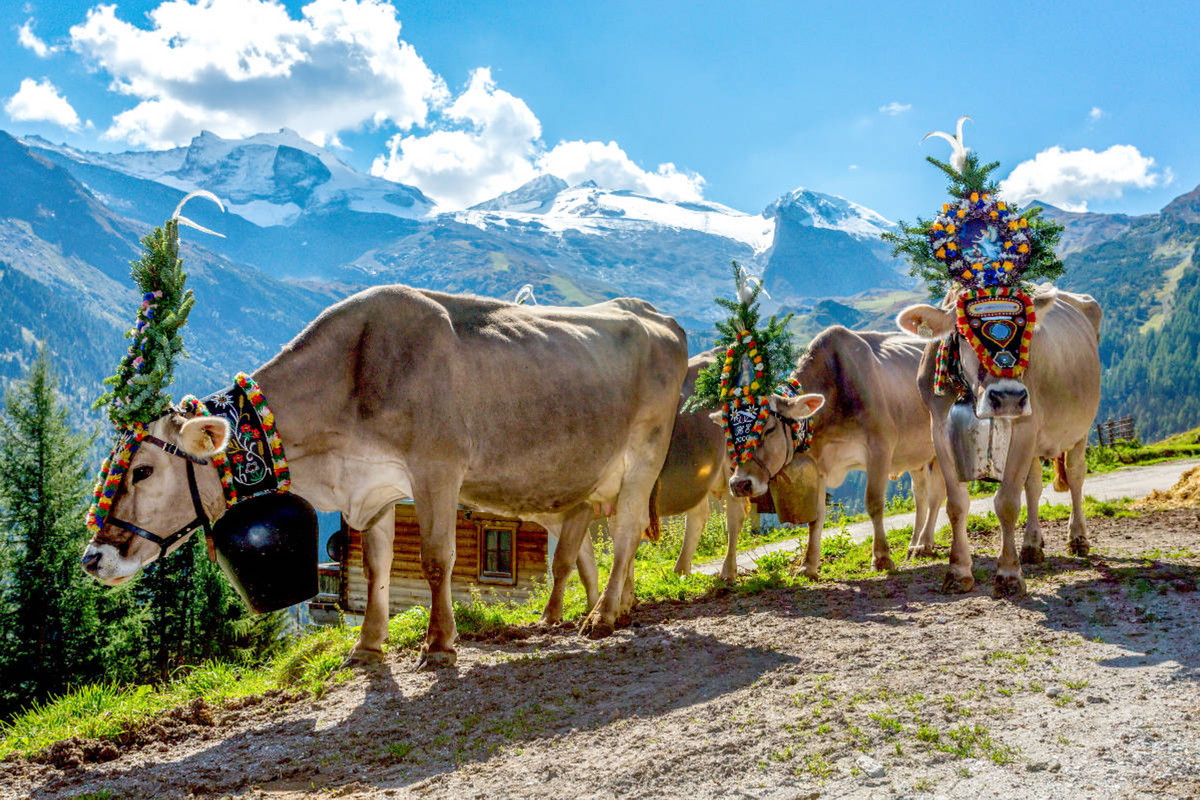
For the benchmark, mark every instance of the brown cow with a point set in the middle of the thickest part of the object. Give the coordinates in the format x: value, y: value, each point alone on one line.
x: 398, y: 392
x: 872, y: 419
x: 1051, y: 406
x: 696, y: 467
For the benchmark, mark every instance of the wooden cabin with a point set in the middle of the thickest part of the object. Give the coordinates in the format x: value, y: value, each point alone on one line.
x: 498, y: 558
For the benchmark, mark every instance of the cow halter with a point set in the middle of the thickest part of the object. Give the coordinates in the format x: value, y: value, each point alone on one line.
x: 242, y: 466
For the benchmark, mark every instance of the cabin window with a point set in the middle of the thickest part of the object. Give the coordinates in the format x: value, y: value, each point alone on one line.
x: 498, y: 553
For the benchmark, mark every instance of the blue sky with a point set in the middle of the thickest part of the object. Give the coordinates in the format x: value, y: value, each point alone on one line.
x: 1096, y: 102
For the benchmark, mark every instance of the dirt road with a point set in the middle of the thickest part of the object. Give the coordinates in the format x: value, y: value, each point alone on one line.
x: 880, y: 687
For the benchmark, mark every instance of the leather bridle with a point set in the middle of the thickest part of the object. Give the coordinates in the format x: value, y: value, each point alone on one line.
x: 200, y: 520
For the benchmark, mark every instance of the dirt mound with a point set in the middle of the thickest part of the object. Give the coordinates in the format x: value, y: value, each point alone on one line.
x: 1184, y: 494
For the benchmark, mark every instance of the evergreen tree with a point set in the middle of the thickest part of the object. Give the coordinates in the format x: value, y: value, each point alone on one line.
x: 51, y: 627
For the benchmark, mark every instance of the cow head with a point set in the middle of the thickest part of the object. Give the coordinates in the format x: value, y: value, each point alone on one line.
x: 154, y: 494
x: 776, y: 445
x: 995, y: 394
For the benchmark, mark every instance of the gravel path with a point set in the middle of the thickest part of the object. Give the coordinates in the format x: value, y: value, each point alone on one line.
x: 1134, y: 482
x: 880, y: 687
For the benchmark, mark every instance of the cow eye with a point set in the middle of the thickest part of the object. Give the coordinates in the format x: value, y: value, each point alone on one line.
x: 141, y: 473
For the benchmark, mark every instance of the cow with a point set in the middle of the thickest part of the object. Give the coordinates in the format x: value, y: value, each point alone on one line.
x: 395, y: 392
x: 696, y: 466
x: 865, y: 414
x: 1051, y: 405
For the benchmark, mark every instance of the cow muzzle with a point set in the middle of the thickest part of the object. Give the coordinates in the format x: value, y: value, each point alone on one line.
x: 106, y: 564
x: 1006, y: 399
x: 746, y: 486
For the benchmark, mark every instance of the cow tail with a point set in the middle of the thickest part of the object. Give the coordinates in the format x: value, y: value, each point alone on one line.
x: 1060, y: 473
x: 653, y: 531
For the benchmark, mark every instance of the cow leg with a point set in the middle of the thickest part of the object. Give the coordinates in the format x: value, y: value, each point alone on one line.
x: 632, y: 518
x: 877, y: 480
x: 920, y: 489
x: 437, y: 514
x: 694, y: 522
x: 1009, y: 580
x: 588, y: 573
x: 571, y: 533
x: 1077, y: 545
x: 937, y: 496
x: 812, y: 554
x: 735, y: 515
x: 959, y: 577
x: 378, y: 542
x: 1032, y: 548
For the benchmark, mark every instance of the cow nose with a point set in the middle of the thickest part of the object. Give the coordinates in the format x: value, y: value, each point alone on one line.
x: 741, y: 488
x: 90, y: 560
x: 1001, y: 397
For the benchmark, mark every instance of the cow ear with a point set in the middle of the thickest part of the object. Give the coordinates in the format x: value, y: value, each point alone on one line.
x: 925, y: 322
x: 1042, y: 302
x: 799, y: 407
x: 204, y: 436
x: 718, y: 418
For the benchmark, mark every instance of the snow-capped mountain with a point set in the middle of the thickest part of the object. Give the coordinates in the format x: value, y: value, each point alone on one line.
x: 547, y: 201
x: 819, y: 210
x: 301, y: 212
x: 268, y: 179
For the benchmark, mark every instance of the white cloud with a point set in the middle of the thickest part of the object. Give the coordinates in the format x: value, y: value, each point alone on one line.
x: 39, y: 101
x: 30, y: 41
x: 895, y: 109
x: 489, y: 151
x: 239, y: 67
x: 1070, y: 178
x: 854, y: 166
x: 1095, y: 114
x: 609, y: 166
x: 494, y: 146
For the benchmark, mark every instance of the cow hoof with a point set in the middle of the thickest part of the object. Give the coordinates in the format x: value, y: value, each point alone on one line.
x: 729, y: 576
x: 548, y: 621
x: 1032, y: 555
x: 1010, y: 586
x: 884, y: 564
x: 1079, y: 547
x: 920, y: 552
x: 811, y: 572
x: 362, y: 657
x: 436, y: 659
x: 958, y: 584
x: 596, y: 627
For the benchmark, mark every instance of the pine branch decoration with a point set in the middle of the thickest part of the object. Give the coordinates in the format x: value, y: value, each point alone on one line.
x: 774, y: 341
x: 136, y: 395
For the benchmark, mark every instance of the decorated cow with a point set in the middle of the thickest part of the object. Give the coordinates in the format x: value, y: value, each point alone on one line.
x: 524, y: 410
x: 796, y: 428
x: 1011, y: 373
x: 695, y: 469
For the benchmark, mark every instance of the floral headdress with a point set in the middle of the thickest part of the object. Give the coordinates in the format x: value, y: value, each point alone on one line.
x: 988, y: 248
x: 136, y: 396
x: 756, y: 361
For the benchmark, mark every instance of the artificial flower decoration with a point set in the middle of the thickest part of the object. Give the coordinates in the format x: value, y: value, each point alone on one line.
x: 755, y: 361
x: 990, y: 252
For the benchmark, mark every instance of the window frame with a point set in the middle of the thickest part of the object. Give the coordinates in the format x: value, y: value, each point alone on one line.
x: 481, y: 573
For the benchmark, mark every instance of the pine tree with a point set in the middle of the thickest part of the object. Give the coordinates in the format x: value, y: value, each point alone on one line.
x: 50, y: 611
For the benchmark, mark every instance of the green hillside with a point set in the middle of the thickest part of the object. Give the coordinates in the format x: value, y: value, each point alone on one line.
x: 1147, y: 280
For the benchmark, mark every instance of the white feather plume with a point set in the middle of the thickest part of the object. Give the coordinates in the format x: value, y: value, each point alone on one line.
x: 207, y: 195
x: 958, y: 159
x: 525, y: 295
x: 747, y: 285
